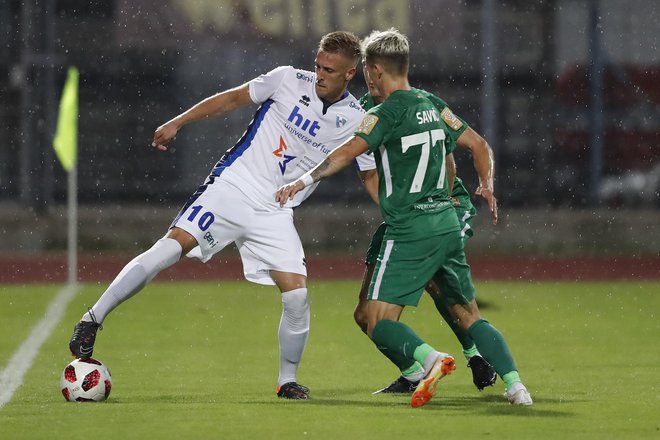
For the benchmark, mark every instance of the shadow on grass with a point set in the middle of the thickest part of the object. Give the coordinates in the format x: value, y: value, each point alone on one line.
x: 489, y: 404
x: 485, y: 405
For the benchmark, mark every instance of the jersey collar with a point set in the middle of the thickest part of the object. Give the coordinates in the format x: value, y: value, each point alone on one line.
x: 327, y: 104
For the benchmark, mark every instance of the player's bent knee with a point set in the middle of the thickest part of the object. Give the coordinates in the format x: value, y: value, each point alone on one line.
x: 287, y: 281
x: 185, y: 239
x: 360, y: 316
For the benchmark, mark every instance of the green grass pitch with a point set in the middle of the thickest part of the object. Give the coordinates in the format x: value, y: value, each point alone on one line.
x: 199, y: 360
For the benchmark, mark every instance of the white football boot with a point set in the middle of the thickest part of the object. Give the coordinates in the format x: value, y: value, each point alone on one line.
x: 518, y: 395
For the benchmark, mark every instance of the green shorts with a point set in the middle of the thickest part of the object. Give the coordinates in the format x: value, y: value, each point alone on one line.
x: 403, y: 268
x: 465, y: 211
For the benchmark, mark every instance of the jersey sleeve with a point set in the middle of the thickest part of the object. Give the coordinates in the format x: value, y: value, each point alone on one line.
x: 264, y: 86
x: 375, y: 126
x: 365, y: 162
x: 456, y: 124
x: 450, y: 144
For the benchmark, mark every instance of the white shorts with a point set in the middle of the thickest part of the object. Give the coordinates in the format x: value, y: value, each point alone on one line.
x: 218, y: 214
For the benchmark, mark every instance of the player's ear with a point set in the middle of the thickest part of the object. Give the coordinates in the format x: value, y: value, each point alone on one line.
x: 351, y: 74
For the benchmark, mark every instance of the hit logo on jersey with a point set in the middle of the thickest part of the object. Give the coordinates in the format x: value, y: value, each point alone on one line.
x: 300, y: 121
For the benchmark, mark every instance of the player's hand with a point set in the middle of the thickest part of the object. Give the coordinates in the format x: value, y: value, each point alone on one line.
x: 164, y: 135
x: 487, y: 194
x: 287, y: 192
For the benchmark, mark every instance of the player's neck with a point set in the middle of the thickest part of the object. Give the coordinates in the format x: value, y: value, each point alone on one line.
x: 392, y: 84
x: 329, y: 100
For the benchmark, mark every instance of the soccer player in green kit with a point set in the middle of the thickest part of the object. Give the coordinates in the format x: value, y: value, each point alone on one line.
x: 483, y: 374
x: 422, y: 241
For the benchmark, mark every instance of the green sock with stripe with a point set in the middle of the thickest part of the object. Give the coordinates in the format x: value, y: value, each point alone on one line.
x: 398, y: 342
x: 492, y: 347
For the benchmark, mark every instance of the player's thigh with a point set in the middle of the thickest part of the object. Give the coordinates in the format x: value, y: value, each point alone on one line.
x: 369, y: 263
x: 271, y: 244
x: 288, y: 281
x: 215, y: 215
x: 404, y: 268
x: 360, y: 312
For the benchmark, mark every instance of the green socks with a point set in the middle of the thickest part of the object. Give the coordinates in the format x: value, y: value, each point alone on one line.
x: 510, y: 378
x: 493, y: 348
x: 401, y: 345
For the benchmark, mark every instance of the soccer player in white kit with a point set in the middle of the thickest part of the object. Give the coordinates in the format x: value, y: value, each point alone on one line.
x: 302, y: 116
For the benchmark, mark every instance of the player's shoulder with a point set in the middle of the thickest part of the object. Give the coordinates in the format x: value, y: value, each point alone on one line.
x: 402, y: 100
x: 353, y: 104
x: 292, y: 75
x: 301, y: 76
x: 435, y: 99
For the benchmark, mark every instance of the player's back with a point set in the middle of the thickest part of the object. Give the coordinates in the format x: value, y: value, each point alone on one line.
x: 413, y: 192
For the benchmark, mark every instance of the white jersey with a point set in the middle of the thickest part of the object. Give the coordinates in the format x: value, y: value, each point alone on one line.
x: 292, y: 131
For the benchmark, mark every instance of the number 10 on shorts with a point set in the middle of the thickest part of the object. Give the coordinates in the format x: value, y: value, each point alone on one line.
x: 205, y: 220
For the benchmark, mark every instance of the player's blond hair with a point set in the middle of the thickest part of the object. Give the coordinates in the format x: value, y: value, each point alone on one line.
x: 388, y: 48
x: 342, y: 42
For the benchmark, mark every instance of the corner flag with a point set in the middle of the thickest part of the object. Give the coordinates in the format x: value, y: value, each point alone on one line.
x: 65, y: 142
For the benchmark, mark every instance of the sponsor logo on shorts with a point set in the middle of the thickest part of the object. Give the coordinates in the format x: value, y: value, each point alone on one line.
x: 430, y: 205
x: 285, y: 157
x: 211, y: 241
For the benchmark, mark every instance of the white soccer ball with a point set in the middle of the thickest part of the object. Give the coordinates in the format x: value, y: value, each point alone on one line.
x: 86, y: 380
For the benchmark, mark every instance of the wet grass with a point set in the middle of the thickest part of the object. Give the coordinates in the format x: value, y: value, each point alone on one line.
x: 199, y: 360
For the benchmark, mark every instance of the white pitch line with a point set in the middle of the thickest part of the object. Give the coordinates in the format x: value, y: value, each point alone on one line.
x: 11, y: 378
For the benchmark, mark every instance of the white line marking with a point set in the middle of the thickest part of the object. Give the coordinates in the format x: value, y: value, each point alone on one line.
x: 11, y: 378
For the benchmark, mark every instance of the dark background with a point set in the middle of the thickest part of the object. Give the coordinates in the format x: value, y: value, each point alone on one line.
x: 567, y: 92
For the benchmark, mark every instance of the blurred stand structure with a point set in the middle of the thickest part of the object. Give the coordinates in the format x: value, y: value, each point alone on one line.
x: 566, y: 91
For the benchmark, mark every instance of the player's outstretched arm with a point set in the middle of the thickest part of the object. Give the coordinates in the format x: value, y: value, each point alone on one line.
x: 484, y: 164
x: 218, y: 104
x: 336, y: 161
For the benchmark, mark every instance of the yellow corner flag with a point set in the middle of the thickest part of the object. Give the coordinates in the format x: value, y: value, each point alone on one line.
x: 66, y: 134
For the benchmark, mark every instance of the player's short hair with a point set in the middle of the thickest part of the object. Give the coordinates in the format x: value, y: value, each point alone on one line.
x: 342, y: 42
x: 388, y: 48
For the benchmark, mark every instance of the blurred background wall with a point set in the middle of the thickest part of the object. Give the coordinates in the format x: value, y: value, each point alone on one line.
x: 567, y: 92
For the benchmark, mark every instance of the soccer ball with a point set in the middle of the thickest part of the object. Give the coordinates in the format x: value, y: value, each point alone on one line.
x: 86, y: 380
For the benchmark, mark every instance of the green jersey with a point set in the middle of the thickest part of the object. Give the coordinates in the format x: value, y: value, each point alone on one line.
x: 410, y: 140
x: 455, y: 123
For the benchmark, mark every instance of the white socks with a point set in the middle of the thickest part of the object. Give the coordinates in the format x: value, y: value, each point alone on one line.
x: 135, y: 275
x: 293, y: 331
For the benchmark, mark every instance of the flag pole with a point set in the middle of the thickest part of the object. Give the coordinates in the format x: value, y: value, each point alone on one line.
x: 72, y: 246
x: 65, y: 144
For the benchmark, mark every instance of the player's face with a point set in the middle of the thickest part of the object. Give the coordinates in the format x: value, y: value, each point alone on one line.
x: 333, y: 72
x: 373, y: 90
